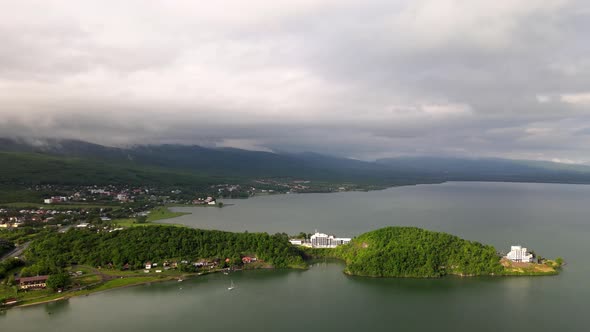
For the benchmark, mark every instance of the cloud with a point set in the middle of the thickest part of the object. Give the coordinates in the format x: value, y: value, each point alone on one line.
x: 362, y: 79
x: 577, y: 98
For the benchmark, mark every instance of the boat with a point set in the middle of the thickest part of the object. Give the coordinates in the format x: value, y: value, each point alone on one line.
x: 179, y: 279
x: 232, y: 286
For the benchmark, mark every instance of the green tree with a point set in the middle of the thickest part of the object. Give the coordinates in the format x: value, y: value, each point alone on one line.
x: 57, y: 281
x: 10, y: 281
x: 141, y: 220
x: 559, y: 261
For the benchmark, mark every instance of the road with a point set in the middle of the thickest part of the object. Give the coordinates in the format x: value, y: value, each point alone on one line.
x: 17, y: 252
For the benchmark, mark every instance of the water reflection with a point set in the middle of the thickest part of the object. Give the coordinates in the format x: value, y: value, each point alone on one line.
x: 57, y: 308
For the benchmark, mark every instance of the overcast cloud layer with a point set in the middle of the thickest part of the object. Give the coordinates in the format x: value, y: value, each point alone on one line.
x: 362, y: 79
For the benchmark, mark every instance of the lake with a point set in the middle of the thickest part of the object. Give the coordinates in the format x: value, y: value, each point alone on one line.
x: 551, y: 219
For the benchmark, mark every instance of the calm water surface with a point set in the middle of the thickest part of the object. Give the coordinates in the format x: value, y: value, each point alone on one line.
x: 551, y: 219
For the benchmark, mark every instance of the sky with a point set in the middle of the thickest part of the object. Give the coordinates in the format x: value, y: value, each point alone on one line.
x: 359, y: 79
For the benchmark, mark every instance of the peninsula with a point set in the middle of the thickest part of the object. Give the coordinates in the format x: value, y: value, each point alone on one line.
x: 417, y: 253
x: 81, y: 261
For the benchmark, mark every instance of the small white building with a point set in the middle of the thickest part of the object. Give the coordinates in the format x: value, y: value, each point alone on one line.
x: 296, y: 242
x: 122, y: 197
x: 519, y: 254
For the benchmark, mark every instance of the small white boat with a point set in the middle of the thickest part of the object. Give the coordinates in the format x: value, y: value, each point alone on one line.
x: 232, y: 286
x: 179, y: 279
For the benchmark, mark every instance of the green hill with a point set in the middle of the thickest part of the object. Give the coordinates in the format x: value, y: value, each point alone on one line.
x: 137, y: 245
x: 77, y: 162
x: 415, y: 252
x: 18, y: 168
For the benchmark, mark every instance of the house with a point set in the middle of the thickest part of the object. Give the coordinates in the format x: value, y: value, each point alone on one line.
x: 520, y: 254
x: 297, y: 242
x: 122, y: 197
x: 55, y: 199
x: 201, y: 263
x: 148, y: 265
x: 37, y: 282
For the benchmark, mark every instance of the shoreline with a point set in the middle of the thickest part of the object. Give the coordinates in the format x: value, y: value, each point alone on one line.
x: 67, y: 296
x: 86, y: 292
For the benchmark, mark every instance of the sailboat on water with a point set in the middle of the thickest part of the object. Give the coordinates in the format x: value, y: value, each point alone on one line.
x: 232, y: 286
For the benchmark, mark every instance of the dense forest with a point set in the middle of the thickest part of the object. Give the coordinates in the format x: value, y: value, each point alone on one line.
x: 135, y: 246
x: 415, y: 252
x: 5, y: 246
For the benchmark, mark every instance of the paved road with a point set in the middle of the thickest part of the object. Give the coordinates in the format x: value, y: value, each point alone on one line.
x: 18, y: 251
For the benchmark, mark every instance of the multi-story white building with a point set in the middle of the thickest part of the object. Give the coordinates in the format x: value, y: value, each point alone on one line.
x: 520, y: 254
x: 321, y: 240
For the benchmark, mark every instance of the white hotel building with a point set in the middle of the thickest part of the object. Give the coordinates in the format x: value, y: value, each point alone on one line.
x: 321, y: 240
x: 519, y: 254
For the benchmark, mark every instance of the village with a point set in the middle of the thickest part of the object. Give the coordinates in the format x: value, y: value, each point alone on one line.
x: 167, y: 269
x: 64, y: 205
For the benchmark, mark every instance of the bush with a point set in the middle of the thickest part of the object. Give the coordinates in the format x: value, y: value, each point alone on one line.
x: 58, y: 281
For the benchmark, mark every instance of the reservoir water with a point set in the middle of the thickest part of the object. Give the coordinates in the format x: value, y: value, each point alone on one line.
x: 552, y: 219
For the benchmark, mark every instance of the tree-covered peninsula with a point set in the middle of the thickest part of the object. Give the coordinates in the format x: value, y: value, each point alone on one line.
x: 415, y: 252
x: 131, y: 248
x: 81, y: 261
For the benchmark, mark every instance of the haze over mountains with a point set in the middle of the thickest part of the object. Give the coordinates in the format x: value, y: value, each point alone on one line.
x: 52, y: 160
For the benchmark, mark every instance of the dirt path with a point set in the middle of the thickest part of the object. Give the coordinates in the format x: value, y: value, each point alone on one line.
x: 18, y: 251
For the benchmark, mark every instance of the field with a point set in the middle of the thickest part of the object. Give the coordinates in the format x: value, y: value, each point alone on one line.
x: 156, y: 214
x: 160, y: 213
x: 517, y: 268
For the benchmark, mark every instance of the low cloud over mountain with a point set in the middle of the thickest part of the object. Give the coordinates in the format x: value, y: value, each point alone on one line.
x: 367, y: 80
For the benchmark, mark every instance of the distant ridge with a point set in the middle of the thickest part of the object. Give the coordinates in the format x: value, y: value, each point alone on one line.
x: 39, y: 159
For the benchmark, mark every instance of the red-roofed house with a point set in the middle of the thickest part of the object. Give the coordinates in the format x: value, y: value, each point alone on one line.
x: 32, y: 282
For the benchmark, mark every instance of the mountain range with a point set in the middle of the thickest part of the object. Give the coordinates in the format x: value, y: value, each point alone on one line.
x: 27, y: 161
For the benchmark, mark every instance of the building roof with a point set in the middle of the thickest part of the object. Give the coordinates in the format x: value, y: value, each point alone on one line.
x: 37, y: 278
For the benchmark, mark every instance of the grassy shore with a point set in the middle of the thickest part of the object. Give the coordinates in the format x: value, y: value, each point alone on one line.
x: 97, y: 281
x: 549, y: 267
x: 163, y: 212
x: 156, y: 214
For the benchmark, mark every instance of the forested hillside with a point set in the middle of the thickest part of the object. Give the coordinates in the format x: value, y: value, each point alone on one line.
x: 77, y: 162
x: 5, y: 246
x: 17, y: 168
x: 137, y: 245
x: 415, y: 252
